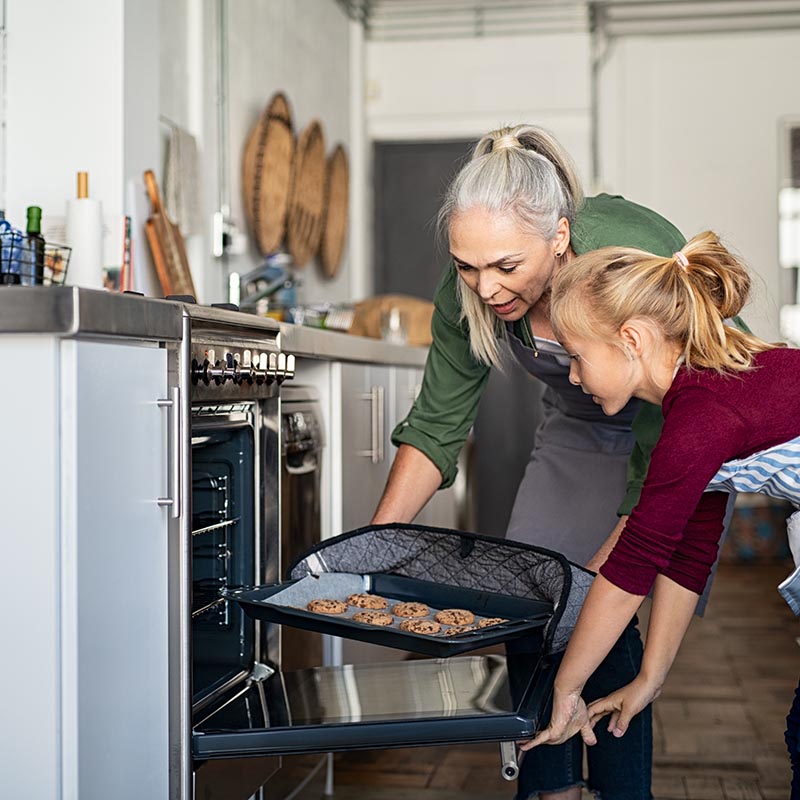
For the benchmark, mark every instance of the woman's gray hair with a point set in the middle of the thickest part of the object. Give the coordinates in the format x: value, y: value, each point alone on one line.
x: 521, y: 171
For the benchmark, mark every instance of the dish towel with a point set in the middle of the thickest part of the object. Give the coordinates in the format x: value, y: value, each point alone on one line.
x: 182, y: 188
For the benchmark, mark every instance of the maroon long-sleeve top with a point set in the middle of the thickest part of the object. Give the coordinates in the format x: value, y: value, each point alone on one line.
x: 708, y: 419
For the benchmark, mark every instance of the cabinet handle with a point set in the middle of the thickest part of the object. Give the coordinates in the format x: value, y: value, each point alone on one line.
x: 375, y: 452
x: 173, y: 406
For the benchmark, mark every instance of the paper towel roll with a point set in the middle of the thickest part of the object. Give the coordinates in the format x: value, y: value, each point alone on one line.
x: 85, y: 237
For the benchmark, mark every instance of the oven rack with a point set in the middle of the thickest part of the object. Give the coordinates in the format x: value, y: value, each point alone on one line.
x: 216, y: 526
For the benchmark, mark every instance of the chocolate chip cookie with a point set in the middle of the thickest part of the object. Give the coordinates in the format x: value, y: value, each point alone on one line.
x: 411, y: 610
x: 455, y: 616
x: 374, y: 617
x: 327, y: 606
x: 485, y: 623
x: 456, y: 629
x: 427, y: 626
x: 373, y: 601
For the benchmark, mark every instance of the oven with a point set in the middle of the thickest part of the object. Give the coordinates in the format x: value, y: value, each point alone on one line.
x: 233, y: 711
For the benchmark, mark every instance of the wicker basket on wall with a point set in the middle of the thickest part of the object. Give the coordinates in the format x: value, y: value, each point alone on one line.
x: 267, y: 173
x: 334, y: 229
x: 307, y: 195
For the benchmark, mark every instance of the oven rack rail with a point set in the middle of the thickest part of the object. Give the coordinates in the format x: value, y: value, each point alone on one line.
x: 216, y: 526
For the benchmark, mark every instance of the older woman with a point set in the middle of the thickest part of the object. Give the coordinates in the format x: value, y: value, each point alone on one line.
x: 513, y: 215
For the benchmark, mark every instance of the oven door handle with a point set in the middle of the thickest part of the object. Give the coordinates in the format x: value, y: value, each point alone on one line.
x: 173, y: 406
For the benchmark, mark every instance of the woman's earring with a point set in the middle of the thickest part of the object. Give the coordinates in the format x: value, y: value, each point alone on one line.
x: 558, y: 255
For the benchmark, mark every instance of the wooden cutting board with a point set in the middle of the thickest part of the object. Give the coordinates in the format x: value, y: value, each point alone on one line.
x: 167, y: 245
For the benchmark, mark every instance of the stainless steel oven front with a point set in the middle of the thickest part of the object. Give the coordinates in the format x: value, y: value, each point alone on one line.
x: 226, y: 533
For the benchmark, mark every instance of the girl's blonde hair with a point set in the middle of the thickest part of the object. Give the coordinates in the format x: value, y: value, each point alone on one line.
x: 687, y: 296
x: 520, y: 171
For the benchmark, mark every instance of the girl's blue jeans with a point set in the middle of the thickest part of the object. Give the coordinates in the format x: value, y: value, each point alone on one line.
x: 619, y: 769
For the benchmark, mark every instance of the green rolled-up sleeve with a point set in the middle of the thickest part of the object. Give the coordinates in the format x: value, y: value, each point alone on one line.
x: 646, y: 429
x: 442, y: 415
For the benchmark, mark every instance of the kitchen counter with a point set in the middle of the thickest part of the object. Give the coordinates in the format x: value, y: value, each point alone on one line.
x: 335, y: 346
x: 72, y: 312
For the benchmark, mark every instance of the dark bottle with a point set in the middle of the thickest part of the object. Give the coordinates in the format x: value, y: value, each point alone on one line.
x: 33, y: 268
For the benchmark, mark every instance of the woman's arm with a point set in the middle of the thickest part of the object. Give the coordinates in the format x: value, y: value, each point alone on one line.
x: 412, y: 481
x: 599, y: 558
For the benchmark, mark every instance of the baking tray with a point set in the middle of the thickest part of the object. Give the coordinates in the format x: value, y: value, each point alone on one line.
x: 284, y: 603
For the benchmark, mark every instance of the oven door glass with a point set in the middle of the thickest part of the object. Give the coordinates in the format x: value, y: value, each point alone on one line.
x: 374, y: 706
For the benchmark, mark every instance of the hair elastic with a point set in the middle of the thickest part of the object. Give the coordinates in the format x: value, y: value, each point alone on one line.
x: 508, y: 141
x: 680, y: 257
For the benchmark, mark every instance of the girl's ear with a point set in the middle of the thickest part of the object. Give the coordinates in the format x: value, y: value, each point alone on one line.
x: 633, y: 335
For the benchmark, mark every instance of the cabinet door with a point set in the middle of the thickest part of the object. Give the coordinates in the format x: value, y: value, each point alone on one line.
x: 114, y: 579
x: 365, y: 457
x: 441, y: 509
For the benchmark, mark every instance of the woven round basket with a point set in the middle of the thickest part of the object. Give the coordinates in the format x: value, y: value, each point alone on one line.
x: 334, y: 229
x: 306, y: 196
x: 267, y: 173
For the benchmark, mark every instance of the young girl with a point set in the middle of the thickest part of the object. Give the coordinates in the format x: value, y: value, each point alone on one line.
x: 639, y: 325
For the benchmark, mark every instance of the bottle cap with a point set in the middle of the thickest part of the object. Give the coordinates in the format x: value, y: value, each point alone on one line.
x: 34, y: 219
x: 83, y: 185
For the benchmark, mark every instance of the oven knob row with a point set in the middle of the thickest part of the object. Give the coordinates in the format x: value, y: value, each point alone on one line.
x: 267, y: 368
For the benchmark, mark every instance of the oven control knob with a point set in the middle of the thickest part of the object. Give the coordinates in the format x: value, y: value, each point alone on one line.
x: 260, y: 371
x: 200, y: 372
x: 272, y: 367
x: 246, y: 371
x: 217, y: 373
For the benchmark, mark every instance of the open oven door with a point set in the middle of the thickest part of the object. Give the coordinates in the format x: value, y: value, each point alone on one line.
x: 373, y: 706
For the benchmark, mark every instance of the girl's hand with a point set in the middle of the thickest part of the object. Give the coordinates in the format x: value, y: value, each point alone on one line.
x: 568, y: 718
x: 624, y: 705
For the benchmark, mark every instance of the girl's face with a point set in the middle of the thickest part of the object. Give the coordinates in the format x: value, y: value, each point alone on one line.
x: 506, y: 266
x: 608, y: 372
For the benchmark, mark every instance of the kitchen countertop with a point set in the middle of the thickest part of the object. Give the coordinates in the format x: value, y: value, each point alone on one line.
x: 68, y: 311
x: 335, y: 346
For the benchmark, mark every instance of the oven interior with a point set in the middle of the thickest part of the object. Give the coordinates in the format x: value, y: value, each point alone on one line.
x: 223, y: 547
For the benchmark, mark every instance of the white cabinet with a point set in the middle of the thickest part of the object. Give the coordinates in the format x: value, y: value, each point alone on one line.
x: 84, y: 466
x: 441, y: 509
x: 366, y: 405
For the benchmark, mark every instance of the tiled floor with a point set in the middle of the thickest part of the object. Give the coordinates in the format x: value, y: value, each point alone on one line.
x: 718, y: 725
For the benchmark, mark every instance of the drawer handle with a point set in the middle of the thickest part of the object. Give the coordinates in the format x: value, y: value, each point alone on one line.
x: 376, y: 405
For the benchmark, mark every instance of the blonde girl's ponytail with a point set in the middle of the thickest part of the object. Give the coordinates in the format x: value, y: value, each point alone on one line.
x: 688, y: 296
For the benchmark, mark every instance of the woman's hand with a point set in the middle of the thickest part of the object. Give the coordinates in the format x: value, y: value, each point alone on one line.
x: 568, y: 718
x: 624, y: 705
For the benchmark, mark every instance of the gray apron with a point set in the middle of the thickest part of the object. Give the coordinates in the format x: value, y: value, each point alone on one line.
x: 577, y: 474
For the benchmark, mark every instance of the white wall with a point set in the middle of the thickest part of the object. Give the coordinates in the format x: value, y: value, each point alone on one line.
x: 457, y: 88
x: 300, y: 47
x: 80, y: 96
x: 690, y: 127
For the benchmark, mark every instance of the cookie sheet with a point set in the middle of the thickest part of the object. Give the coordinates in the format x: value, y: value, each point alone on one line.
x: 285, y: 604
x: 339, y: 586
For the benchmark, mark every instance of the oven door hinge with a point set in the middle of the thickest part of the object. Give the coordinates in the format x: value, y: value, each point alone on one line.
x: 261, y: 672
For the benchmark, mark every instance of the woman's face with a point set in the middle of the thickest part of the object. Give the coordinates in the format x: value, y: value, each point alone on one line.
x: 505, y: 265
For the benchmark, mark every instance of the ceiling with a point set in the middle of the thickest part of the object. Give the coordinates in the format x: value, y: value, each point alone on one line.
x: 388, y: 20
